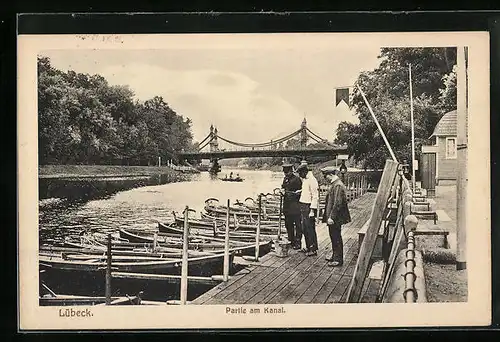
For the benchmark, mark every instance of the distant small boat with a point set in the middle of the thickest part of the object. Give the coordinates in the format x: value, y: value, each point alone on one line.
x: 238, y: 179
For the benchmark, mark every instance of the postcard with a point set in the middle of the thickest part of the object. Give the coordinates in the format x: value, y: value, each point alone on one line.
x: 285, y: 180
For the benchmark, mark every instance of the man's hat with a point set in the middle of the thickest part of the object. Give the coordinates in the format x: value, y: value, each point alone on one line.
x: 329, y: 170
x: 302, y: 167
x: 287, y: 166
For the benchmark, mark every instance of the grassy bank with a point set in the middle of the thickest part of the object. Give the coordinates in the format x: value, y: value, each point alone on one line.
x: 63, y: 171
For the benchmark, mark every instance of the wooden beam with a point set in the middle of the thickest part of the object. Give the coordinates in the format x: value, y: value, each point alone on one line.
x: 366, y: 250
x: 165, y: 277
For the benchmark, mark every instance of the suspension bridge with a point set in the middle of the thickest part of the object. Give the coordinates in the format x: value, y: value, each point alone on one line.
x: 294, y: 144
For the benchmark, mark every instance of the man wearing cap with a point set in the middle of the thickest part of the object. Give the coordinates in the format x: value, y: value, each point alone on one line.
x: 336, y: 214
x: 291, y: 210
x: 308, y: 202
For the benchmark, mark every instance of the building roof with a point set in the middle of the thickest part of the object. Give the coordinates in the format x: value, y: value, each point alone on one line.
x: 447, y: 126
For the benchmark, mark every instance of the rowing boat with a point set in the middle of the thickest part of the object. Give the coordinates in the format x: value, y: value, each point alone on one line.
x: 236, y: 247
x: 199, y: 264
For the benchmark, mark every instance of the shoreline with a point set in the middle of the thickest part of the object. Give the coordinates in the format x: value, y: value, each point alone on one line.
x: 101, y: 171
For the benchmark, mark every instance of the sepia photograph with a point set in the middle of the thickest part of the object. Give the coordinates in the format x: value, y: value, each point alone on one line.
x: 240, y: 179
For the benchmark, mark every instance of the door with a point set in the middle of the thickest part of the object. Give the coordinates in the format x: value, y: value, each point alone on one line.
x: 428, y: 171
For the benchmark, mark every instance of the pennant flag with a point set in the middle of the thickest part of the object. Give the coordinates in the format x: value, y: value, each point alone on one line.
x: 341, y: 94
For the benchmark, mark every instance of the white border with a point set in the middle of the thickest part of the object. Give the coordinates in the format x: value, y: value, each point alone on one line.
x: 477, y: 311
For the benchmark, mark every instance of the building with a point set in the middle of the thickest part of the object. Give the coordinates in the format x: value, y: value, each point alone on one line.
x: 439, y: 160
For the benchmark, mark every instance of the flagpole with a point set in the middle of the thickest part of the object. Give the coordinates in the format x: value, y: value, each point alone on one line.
x: 461, y: 259
x: 412, y: 133
x: 378, y: 125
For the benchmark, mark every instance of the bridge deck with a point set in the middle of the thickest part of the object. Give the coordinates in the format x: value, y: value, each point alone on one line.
x: 298, y: 278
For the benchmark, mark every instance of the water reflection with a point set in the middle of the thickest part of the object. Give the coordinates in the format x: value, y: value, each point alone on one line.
x: 145, y: 205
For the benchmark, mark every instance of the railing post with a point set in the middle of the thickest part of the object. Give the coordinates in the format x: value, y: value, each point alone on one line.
x: 108, y: 271
x: 184, y: 267
x: 226, y: 246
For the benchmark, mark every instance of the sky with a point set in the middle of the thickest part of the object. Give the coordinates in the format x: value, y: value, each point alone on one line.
x: 250, y: 94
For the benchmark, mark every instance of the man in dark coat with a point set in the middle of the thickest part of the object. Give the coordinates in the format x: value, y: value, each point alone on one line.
x: 336, y: 214
x: 291, y: 209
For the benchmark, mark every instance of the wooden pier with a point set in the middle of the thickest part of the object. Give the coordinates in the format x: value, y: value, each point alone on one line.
x: 298, y: 278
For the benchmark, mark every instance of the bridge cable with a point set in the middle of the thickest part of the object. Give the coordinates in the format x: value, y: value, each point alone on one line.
x: 208, y: 136
x: 208, y: 142
x: 260, y: 144
x: 318, y: 137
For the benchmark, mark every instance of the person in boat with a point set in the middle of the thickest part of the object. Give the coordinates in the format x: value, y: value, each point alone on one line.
x: 308, y: 203
x: 291, y: 184
x: 231, y: 175
x: 336, y: 214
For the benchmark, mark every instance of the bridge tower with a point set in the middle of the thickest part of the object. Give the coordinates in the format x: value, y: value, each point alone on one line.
x: 303, y: 133
x: 214, y: 144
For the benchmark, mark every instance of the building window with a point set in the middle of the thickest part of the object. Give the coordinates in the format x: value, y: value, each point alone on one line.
x: 451, y: 148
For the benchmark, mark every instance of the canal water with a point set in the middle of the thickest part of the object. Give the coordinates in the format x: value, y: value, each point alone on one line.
x: 140, y: 207
x: 144, y: 206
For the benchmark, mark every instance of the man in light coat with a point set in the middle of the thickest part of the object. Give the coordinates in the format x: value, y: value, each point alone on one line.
x: 336, y: 214
x: 308, y: 202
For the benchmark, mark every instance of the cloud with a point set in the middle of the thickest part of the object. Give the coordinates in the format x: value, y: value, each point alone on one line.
x: 221, y: 79
x: 240, y: 107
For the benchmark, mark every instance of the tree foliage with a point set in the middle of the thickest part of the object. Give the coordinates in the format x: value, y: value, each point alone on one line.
x: 84, y: 120
x: 387, y: 90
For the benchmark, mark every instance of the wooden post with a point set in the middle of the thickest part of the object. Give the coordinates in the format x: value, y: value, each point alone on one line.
x: 378, y: 125
x: 279, y: 219
x: 159, y: 161
x: 461, y: 262
x: 155, y: 242
x: 412, y: 134
x: 225, y: 275
x: 215, y: 227
x: 108, y: 271
x: 368, y: 245
x: 184, y: 269
x: 257, y: 234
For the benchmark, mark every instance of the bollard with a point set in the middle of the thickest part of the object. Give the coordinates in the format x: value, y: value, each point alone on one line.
x: 410, y: 224
x: 226, y: 247
x: 184, y: 267
x: 108, y: 271
x: 406, y: 208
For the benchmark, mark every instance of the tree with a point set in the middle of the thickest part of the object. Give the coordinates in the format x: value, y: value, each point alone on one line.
x: 387, y: 90
x: 82, y: 119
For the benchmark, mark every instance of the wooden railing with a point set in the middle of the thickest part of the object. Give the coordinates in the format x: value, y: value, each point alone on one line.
x: 394, y: 215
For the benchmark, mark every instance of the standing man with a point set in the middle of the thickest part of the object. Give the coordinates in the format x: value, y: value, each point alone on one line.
x: 291, y: 210
x: 308, y: 202
x: 336, y: 214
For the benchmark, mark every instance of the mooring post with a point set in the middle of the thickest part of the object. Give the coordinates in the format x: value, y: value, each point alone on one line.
x: 215, y: 227
x: 184, y: 269
x: 155, y: 242
x: 257, y: 234
x: 226, y: 246
x: 279, y: 219
x: 108, y: 272
x: 358, y: 186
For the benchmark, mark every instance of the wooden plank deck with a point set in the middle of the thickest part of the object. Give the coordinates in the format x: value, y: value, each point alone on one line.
x: 297, y: 278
